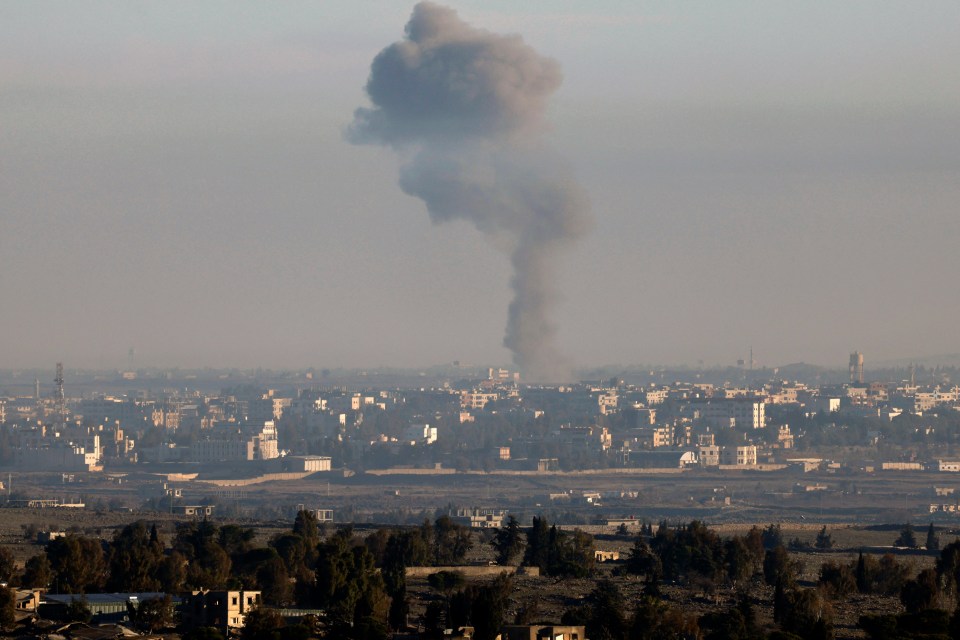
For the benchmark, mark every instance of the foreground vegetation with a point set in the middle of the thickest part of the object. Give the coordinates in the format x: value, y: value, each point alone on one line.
x: 746, y: 586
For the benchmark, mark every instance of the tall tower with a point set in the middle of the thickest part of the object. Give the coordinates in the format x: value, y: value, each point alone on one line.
x: 856, y: 367
x: 60, y: 398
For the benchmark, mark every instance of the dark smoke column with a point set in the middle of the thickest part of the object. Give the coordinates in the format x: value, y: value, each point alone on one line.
x: 464, y: 109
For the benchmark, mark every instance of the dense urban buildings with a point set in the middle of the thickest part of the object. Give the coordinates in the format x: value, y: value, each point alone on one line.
x: 463, y: 421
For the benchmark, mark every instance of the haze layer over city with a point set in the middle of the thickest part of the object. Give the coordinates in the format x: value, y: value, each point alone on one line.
x: 178, y: 179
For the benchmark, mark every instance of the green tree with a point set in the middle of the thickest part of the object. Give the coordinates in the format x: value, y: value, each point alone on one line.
x: 738, y: 560
x: 8, y: 606
x: 272, y: 579
x: 376, y: 542
x: 488, y: 609
x: 808, y: 615
x: 508, y: 542
x: 208, y: 565
x: 772, y: 537
x: 292, y: 550
x: 262, y: 624
x: 446, y: 582
x: 860, y: 575
x: 921, y: 593
x: 889, y: 574
x: 152, y: 614
x: 777, y: 565
x: 933, y: 540
x: 307, y: 527
x: 192, y: 536
x: 435, y: 619
x: 558, y: 553
x: 78, y: 610
x: 134, y: 559
x: 210, y: 569
x: 692, y: 551
x: 172, y: 572
x: 724, y: 625
x: 907, y: 537
x: 394, y: 572
x: 641, y: 560
x: 78, y: 563
x: 948, y: 566
x: 754, y: 542
x: 654, y: 619
x: 779, y: 600
x: 839, y: 578
x: 537, y: 550
x: 824, y: 540
x: 578, y: 554
x: 415, y: 546
x: 349, y: 587
x: 235, y: 540
x: 931, y: 623
x: 606, y: 612
x: 37, y: 573
x: 8, y: 565
x: 451, y: 541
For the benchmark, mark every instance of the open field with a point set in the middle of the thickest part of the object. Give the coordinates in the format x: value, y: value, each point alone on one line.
x: 718, y: 498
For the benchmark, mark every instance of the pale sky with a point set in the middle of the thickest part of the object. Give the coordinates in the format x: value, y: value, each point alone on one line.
x: 174, y: 178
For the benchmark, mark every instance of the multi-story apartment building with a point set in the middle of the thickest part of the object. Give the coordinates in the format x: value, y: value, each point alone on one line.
x: 742, y: 456
x: 476, y: 399
x: 230, y: 446
x: 708, y: 455
x: 608, y: 402
x: 38, y: 452
x: 747, y: 413
x: 653, y: 397
x: 223, y: 610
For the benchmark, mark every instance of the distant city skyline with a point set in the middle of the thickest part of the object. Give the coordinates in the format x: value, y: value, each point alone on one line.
x: 175, y: 179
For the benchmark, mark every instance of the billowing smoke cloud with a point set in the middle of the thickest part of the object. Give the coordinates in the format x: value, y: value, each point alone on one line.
x: 464, y: 108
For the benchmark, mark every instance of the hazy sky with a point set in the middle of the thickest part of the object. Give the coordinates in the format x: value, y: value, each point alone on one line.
x: 174, y: 177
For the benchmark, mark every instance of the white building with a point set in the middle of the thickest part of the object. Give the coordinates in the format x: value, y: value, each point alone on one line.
x: 824, y: 404
x: 420, y: 434
x: 742, y: 456
x: 747, y: 413
x: 308, y: 463
x: 608, y: 402
x: 476, y: 399
x: 479, y: 518
x: 59, y: 456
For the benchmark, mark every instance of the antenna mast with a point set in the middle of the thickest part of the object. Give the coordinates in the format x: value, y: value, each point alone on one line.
x: 60, y: 398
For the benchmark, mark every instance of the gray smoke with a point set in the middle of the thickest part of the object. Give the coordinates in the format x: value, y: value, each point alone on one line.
x: 464, y: 108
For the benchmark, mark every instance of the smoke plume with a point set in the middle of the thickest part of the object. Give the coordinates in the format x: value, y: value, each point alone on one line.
x: 464, y: 109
